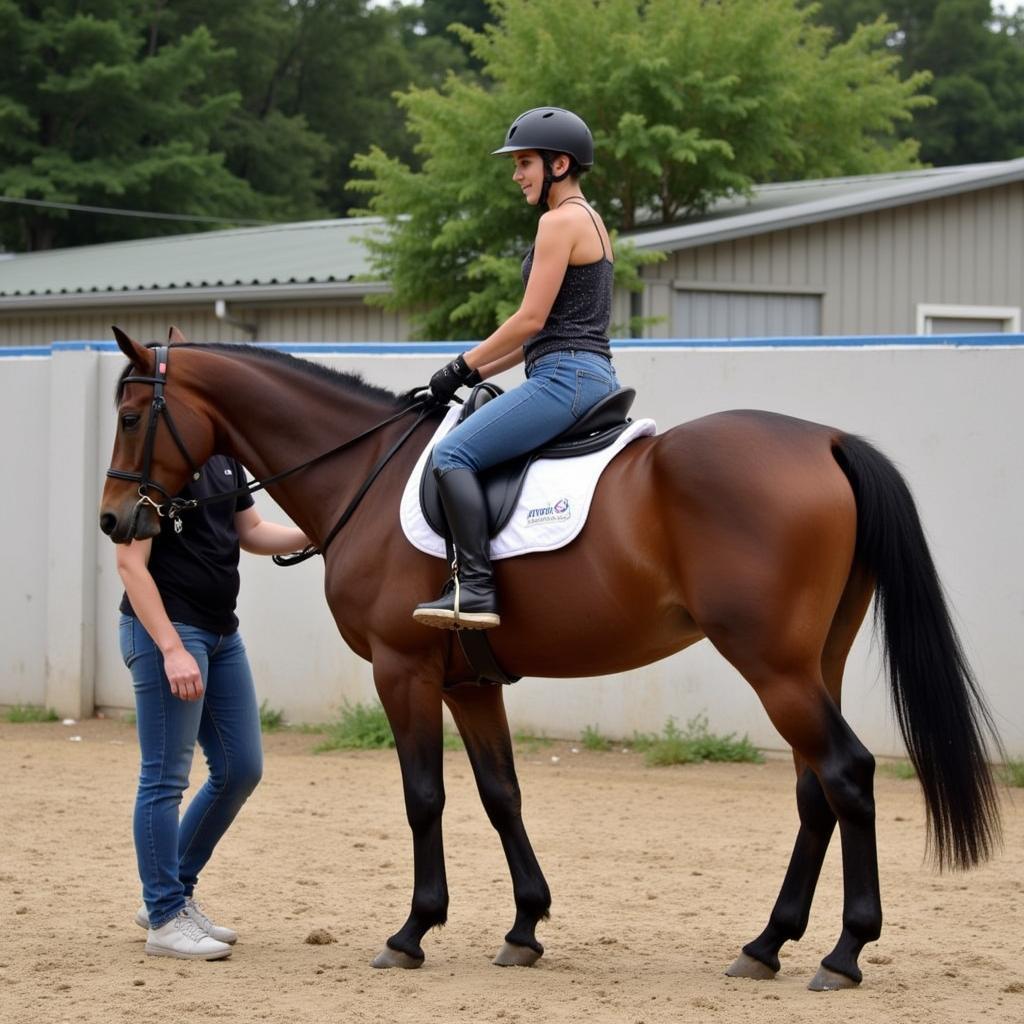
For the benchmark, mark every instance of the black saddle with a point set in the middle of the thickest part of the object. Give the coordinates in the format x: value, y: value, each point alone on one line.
x: 502, y: 483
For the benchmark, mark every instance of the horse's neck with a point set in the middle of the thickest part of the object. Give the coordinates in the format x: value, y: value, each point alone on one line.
x: 273, y: 418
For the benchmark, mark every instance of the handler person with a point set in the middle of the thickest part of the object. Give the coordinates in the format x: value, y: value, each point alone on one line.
x: 561, y: 332
x: 179, y: 638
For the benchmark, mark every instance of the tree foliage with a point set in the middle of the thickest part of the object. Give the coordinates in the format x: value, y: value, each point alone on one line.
x: 688, y: 101
x: 436, y: 18
x: 87, y: 115
x: 438, y: 15
x: 242, y: 108
x: 977, y: 58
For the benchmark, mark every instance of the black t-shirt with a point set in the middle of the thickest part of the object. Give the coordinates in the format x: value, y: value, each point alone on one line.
x: 196, y: 571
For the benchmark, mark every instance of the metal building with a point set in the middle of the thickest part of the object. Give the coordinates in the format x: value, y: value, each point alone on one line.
x: 284, y: 282
x: 919, y: 252
x: 938, y: 251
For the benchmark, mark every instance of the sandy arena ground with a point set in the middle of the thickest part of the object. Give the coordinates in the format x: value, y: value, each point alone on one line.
x: 658, y: 876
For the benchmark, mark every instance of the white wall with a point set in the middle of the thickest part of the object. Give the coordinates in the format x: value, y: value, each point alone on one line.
x: 24, y: 543
x: 950, y: 416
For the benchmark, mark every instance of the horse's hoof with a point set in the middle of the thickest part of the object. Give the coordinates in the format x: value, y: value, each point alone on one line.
x: 747, y: 967
x: 511, y: 955
x: 389, y: 957
x: 830, y: 981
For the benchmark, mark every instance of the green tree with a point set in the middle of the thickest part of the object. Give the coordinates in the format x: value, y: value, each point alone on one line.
x: 437, y: 15
x: 242, y: 108
x: 89, y: 115
x: 1010, y: 24
x: 977, y: 58
x: 358, y: 58
x: 266, y: 138
x: 436, y: 18
x: 688, y: 101
x: 317, y: 80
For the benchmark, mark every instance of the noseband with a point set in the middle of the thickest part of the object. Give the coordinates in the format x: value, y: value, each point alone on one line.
x: 157, y: 410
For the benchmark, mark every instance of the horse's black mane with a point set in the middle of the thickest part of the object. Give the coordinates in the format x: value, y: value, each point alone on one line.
x: 349, y: 382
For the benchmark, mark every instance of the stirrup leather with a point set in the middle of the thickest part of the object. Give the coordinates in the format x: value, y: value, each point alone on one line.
x: 457, y: 592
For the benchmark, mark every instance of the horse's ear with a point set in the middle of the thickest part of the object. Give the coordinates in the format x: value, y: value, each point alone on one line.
x: 132, y: 349
x: 175, y: 337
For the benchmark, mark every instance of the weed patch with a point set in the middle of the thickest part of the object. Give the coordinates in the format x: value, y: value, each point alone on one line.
x: 591, y: 739
x: 452, y: 740
x: 898, y: 769
x: 358, y: 727
x: 1013, y: 772
x: 694, y: 744
x: 529, y: 743
x: 30, y: 713
x: 271, y: 719
x: 363, y: 727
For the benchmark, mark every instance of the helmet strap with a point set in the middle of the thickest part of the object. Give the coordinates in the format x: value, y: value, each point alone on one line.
x: 550, y: 177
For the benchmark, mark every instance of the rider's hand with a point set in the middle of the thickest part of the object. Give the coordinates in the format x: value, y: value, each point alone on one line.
x: 451, y: 377
x: 183, y: 674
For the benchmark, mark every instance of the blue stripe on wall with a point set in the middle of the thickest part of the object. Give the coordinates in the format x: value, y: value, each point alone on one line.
x: 412, y: 348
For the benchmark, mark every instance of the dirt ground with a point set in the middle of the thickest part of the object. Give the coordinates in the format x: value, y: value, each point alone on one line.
x: 659, y: 875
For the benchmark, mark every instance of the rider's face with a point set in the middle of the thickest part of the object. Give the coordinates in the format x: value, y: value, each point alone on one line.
x: 528, y: 174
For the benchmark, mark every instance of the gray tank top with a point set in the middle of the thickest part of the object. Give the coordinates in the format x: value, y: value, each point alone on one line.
x: 582, y: 309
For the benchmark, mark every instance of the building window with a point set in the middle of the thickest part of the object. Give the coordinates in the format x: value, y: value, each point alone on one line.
x: 934, y: 318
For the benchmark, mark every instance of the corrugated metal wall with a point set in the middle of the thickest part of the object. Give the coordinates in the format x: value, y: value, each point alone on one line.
x: 338, y: 322
x: 871, y: 271
x: 704, y: 314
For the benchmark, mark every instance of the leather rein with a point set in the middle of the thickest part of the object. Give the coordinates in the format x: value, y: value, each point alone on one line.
x: 172, y: 507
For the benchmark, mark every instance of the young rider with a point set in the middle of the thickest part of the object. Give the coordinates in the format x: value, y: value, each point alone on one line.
x: 561, y: 332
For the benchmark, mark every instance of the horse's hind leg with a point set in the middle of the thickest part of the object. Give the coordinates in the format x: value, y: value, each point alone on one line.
x: 789, y: 917
x: 847, y: 767
x: 479, y: 712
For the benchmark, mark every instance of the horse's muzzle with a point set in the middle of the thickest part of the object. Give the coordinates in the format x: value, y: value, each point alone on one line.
x: 130, y: 523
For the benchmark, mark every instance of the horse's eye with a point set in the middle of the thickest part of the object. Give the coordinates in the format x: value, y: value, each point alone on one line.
x: 130, y: 420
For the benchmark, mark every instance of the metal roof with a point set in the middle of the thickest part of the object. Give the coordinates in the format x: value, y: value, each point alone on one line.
x: 325, y: 258
x: 288, y: 256
x: 792, y: 204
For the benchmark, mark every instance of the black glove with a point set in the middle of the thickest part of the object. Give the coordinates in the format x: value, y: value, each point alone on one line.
x: 451, y: 377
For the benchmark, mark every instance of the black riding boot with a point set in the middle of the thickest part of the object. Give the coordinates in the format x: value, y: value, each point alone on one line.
x: 471, y: 602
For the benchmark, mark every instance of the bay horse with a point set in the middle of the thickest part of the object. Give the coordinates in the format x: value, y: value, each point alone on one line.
x: 765, y: 534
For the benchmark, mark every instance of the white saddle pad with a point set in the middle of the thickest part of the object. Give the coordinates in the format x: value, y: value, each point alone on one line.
x: 553, y: 503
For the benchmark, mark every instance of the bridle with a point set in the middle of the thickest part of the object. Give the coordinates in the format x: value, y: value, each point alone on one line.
x: 158, y: 409
x: 172, y: 507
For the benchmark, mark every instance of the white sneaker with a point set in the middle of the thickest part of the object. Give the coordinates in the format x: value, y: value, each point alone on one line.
x: 181, y: 937
x: 194, y: 910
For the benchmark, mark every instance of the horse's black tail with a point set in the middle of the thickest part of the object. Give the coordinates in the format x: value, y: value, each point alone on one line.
x: 940, y: 710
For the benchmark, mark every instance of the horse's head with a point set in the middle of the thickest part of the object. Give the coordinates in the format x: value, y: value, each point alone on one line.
x: 161, y: 440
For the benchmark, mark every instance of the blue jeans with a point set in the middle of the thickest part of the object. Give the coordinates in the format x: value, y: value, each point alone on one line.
x: 226, y: 721
x: 561, y: 387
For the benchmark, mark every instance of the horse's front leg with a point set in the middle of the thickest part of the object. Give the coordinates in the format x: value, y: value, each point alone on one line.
x: 479, y: 712
x: 410, y: 693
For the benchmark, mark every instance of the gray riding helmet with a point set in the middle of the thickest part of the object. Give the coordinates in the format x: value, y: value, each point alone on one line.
x: 554, y: 129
